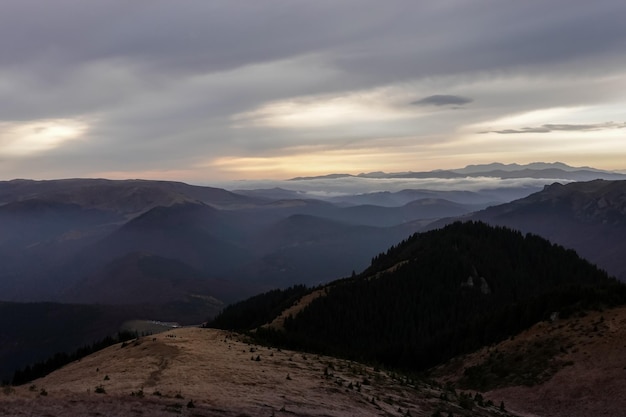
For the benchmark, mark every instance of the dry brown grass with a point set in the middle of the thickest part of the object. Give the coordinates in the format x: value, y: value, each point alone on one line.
x: 297, y: 307
x: 593, y: 350
x: 220, y: 373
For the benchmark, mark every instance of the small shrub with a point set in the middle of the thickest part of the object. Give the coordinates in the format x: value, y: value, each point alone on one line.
x: 465, y: 401
x: 190, y: 404
x: 100, y: 390
x: 174, y: 408
x: 43, y: 392
x: 106, y: 378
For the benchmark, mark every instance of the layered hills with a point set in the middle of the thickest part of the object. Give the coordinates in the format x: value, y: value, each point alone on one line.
x: 496, y: 318
x: 170, y: 251
x: 58, y: 237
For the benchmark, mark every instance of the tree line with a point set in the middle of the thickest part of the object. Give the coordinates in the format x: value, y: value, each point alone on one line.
x: 60, y: 359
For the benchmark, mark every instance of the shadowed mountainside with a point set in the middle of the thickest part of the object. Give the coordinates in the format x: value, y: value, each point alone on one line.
x: 589, y: 217
x: 442, y: 293
x: 565, y: 367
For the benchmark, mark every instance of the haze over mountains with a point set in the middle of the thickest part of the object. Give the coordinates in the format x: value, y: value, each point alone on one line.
x: 65, y: 240
x: 172, y: 251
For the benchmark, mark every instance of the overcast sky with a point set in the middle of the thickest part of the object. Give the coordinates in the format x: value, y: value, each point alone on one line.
x: 207, y: 90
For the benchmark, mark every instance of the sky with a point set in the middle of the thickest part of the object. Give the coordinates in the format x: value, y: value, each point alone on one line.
x: 206, y: 90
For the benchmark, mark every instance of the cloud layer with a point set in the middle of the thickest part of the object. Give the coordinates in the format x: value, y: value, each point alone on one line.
x: 201, y: 90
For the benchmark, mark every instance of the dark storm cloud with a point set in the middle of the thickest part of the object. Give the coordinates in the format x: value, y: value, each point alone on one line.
x: 442, y: 100
x: 189, y: 35
x: 547, y: 128
x: 380, y: 42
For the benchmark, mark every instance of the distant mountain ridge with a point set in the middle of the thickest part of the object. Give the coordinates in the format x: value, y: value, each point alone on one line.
x: 555, y: 170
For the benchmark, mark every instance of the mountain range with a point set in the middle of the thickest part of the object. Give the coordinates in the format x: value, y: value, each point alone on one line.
x: 175, y: 252
x: 556, y: 170
x: 501, y: 323
x: 58, y: 238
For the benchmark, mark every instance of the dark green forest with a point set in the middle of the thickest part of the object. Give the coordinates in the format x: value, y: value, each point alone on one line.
x: 437, y: 295
x: 43, y: 368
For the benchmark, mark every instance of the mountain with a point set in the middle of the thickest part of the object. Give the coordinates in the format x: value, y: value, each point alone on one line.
x: 271, y: 194
x: 126, y: 197
x: 439, y: 294
x: 386, y: 209
x: 496, y: 166
x: 400, y: 198
x: 551, y: 173
x: 188, y: 231
x: 68, y: 240
x: 563, y: 367
x: 139, y: 278
x: 304, y: 249
x: 556, y: 170
x: 46, y: 225
x: 589, y: 217
x: 424, y: 208
x: 37, y: 236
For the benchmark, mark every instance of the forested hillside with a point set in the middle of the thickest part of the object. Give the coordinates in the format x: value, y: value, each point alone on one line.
x: 442, y: 293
